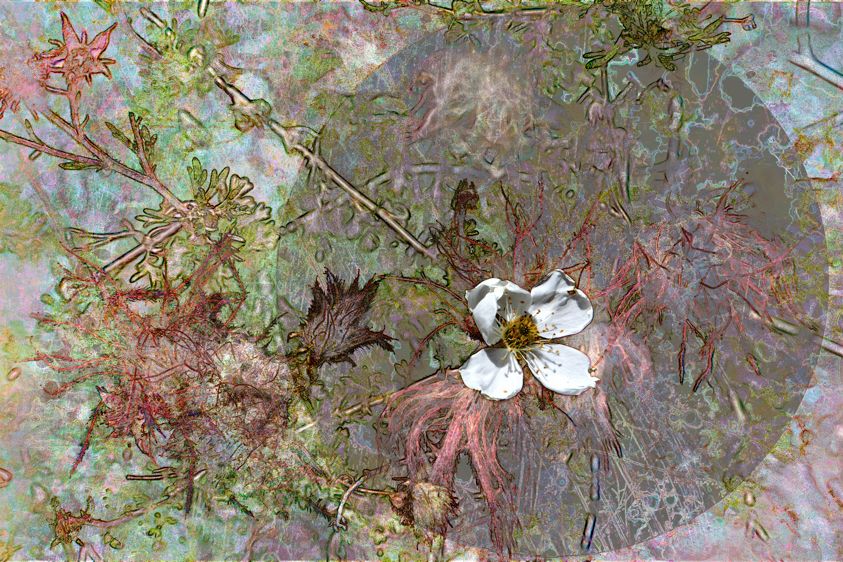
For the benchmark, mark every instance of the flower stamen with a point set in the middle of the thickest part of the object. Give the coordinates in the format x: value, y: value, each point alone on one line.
x: 520, y: 334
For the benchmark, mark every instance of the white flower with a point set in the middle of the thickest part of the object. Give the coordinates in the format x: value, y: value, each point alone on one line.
x: 523, y: 322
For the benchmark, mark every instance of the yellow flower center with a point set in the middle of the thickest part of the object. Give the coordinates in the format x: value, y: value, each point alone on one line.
x: 520, y: 334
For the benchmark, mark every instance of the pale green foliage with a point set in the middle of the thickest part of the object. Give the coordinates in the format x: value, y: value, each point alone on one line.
x: 221, y: 211
x: 25, y: 229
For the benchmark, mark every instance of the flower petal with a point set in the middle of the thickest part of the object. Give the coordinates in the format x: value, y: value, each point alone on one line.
x: 485, y: 312
x: 495, y: 297
x: 559, y: 308
x: 494, y: 372
x: 560, y: 368
x: 71, y: 40
x: 100, y: 42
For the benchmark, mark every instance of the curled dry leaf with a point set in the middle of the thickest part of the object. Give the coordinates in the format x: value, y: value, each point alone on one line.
x: 335, y: 326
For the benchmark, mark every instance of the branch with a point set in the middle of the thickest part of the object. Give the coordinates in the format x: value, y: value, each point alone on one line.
x: 148, y: 168
x: 104, y: 160
x: 808, y: 60
x: 245, y: 104
x: 129, y: 515
x: 41, y: 147
x: 783, y: 326
x: 257, y: 113
x: 319, y: 163
x: 138, y: 251
x: 379, y: 399
x: 339, y: 522
x: 805, y: 58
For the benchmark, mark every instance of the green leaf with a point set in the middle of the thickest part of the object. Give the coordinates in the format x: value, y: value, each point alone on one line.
x: 78, y: 166
x: 119, y: 135
x: 198, y: 174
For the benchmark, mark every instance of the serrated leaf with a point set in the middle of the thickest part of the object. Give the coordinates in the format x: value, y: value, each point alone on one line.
x: 335, y: 326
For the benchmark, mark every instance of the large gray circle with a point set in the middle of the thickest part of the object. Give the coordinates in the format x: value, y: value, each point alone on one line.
x: 501, y: 104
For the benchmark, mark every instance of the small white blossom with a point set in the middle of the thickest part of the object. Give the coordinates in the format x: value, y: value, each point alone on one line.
x: 517, y: 325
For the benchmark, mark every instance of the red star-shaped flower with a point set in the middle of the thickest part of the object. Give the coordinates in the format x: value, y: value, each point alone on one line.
x: 75, y: 58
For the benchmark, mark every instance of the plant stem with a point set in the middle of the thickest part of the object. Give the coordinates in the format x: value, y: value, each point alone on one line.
x: 41, y: 147
x: 380, y: 399
x: 785, y: 327
x: 147, y: 167
x: 817, y: 68
x: 338, y: 523
x: 104, y: 160
x: 240, y: 101
x: 238, y: 98
x: 319, y: 163
x: 156, y: 239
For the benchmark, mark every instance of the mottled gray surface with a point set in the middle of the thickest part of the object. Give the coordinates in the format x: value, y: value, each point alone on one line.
x: 502, y: 108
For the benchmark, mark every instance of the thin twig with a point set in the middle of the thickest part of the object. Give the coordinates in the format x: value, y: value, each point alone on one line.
x: 426, y: 282
x: 41, y: 147
x: 148, y: 168
x: 783, y: 326
x: 805, y: 58
x: 339, y: 524
x: 161, y: 236
x: 106, y: 161
x: 817, y: 68
x: 380, y: 399
x: 243, y: 102
x: 337, y: 179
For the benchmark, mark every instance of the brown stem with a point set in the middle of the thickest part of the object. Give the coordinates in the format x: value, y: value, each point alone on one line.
x: 426, y: 282
x: 148, y: 169
x: 105, y: 160
x: 158, y: 238
x: 128, y: 516
x: 239, y: 98
x: 41, y: 147
x: 380, y: 399
x: 337, y: 179
x: 339, y: 524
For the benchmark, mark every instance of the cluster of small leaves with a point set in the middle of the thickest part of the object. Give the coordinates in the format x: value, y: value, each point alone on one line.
x: 175, y: 64
x: 147, y: 137
x: 170, y: 375
x: 468, y: 8
x: 221, y: 208
x: 66, y: 525
x: 668, y: 30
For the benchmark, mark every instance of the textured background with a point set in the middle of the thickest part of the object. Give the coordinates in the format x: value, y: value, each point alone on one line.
x: 309, y: 60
